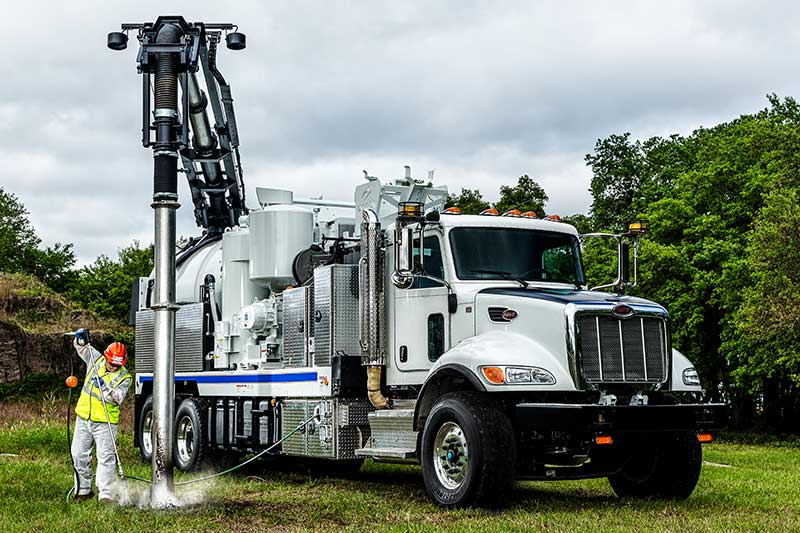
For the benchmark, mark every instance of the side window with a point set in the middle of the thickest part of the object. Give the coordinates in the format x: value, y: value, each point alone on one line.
x: 433, y: 262
x: 435, y: 336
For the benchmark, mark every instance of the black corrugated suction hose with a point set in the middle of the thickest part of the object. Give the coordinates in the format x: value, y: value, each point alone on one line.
x: 166, y: 85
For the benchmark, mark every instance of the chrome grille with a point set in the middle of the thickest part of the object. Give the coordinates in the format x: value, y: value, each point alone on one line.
x: 620, y: 350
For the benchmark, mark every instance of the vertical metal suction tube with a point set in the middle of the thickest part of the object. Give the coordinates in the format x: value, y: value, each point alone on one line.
x: 165, y: 203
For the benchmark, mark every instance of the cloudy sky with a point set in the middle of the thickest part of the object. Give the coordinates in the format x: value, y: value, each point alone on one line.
x: 480, y: 91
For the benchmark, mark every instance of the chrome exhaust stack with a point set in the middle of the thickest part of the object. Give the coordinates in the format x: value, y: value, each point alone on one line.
x: 371, y: 316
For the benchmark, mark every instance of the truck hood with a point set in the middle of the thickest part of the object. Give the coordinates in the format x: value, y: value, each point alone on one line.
x: 565, y: 296
x: 541, y: 316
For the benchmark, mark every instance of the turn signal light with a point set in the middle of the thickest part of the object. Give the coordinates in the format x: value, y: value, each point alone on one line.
x: 705, y: 437
x: 603, y: 440
x: 491, y: 211
x: 512, y: 213
x: 453, y: 210
x: 493, y: 374
x: 529, y: 214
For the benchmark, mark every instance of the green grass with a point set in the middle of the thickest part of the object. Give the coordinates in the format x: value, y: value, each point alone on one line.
x: 759, y: 490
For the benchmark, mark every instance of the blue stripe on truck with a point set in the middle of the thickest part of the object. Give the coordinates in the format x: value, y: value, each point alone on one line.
x: 252, y: 378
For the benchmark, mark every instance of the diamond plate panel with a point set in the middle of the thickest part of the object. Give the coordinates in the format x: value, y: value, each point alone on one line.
x: 335, y: 313
x: 294, y: 326
x: 344, y: 427
x: 293, y: 413
x: 188, y: 339
x: 393, y: 429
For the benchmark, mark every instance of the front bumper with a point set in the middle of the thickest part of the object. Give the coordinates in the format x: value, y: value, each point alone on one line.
x: 706, y: 417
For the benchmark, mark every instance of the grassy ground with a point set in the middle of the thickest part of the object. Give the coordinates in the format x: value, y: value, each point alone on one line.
x: 744, y: 486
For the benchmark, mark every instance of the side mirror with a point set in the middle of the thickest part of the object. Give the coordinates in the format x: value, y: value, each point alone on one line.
x: 403, y: 275
x: 624, y: 268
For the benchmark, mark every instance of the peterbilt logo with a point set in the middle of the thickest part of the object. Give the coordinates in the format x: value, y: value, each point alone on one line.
x: 509, y: 314
x: 622, y: 311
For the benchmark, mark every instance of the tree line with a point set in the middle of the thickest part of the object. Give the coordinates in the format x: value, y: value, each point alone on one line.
x: 722, y: 252
x: 103, y: 287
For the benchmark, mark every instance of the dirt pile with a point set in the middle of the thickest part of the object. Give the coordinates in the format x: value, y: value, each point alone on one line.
x: 33, y: 320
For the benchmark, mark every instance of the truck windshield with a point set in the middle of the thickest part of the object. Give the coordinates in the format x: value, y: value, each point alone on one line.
x: 514, y: 253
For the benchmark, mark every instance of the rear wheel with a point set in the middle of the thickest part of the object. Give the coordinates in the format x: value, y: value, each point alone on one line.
x: 145, y: 430
x: 191, y: 441
x: 667, y: 469
x: 468, y: 451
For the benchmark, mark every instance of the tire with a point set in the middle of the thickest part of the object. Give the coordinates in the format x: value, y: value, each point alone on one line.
x: 144, y: 427
x: 668, y: 469
x: 191, y: 435
x: 468, y: 452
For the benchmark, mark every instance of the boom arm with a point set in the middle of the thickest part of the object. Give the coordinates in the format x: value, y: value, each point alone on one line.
x: 212, y: 165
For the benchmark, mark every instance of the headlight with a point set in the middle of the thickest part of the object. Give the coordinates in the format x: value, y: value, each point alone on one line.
x: 690, y: 377
x: 515, y: 375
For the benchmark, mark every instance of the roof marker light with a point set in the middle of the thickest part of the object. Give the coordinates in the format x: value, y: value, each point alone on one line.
x: 452, y: 211
x: 555, y: 218
x: 530, y: 214
x: 491, y: 211
x: 512, y: 213
x: 638, y: 226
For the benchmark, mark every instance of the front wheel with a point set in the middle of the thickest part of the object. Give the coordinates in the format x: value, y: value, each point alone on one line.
x: 468, y: 451
x: 668, y: 468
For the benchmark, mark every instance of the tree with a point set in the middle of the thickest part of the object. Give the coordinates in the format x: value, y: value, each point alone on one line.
x: 19, y: 247
x: 628, y: 176
x: 105, y: 286
x: 526, y: 195
x: 470, y: 201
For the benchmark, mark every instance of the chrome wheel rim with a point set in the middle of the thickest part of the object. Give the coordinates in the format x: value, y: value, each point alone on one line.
x: 450, y: 455
x: 185, y: 439
x: 147, y: 435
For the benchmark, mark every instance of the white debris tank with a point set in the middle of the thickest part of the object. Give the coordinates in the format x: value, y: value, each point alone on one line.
x: 192, y: 273
x: 238, y: 289
x: 277, y: 234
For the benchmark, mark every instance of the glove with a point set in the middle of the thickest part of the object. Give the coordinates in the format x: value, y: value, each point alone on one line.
x: 82, y: 336
x: 97, y: 382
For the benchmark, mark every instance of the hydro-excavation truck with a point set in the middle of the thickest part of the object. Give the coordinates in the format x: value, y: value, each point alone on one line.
x: 406, y: 331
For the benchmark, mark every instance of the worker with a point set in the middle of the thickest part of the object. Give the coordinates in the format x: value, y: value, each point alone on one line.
x: 106, y: 384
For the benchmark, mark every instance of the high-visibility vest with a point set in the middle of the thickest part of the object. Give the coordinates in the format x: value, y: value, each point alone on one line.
x: 90, y: 404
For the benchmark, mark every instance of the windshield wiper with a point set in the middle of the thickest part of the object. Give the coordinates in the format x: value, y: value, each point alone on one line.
x: 564, y: 280
x: 502, y: 273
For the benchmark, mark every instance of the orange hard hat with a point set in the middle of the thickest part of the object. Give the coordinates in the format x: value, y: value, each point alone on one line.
x: 116, y: 354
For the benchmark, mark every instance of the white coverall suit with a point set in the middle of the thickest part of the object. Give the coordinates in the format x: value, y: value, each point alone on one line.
x: 90, y: 431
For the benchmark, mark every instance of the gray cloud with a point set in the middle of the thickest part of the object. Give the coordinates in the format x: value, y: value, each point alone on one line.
x: 483, y: 92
